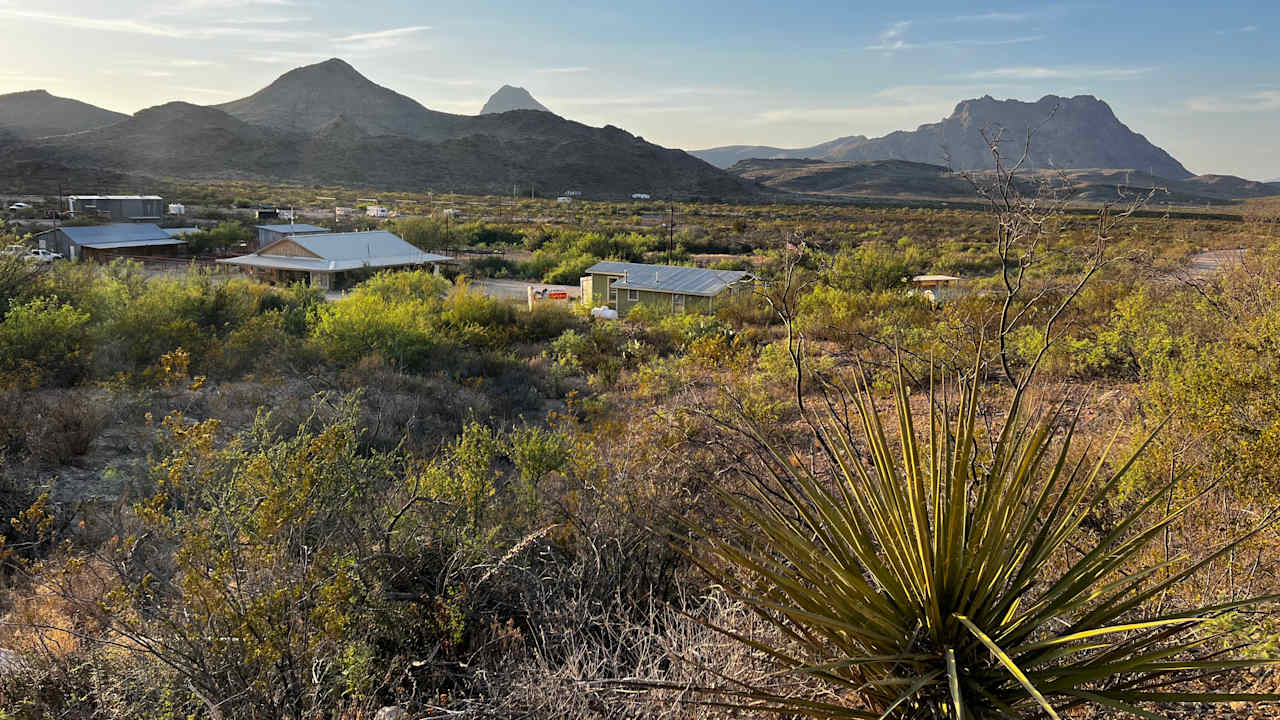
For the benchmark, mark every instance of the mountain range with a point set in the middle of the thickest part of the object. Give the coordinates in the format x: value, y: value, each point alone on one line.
x: 907, y: 179
x: 1075, y: 132
x: 328, y: 124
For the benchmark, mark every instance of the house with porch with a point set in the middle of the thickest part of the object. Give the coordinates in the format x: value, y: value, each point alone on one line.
x: 674, y: 288
x: 332, y: 260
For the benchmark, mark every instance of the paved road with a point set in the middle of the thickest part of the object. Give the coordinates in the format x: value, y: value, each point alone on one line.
x: 1211, y: 262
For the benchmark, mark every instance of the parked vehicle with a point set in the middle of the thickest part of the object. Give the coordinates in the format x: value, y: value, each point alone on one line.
x: 43, y: 255
x: 20, y: 206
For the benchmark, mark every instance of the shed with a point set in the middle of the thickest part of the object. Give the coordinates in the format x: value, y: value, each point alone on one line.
x: 120, y: 208
x: 268, y: 234
x: 325, y: 260
x: 104, y: 242
x: 937, y: 287
x: 677, y: 288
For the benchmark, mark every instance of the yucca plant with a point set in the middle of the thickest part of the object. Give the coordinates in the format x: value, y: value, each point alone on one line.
x: 947, y: 575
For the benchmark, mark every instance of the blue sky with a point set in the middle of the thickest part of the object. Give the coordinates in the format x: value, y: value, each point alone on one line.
x: 1200, y: 79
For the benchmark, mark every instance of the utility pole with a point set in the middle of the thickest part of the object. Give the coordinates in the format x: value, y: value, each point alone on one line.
x: 671, y: 227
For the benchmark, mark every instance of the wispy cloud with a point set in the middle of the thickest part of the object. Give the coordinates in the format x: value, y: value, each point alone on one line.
x: 288, y: 57
x: 1058, y: 73
x: 213, y: 93
x: 563, y: 70
x: 1239, y: 30
x: 900, y: 44
x: 187, y: 31
x: 998, y: 17
x: 1260, y: 101
x: 379, y: 39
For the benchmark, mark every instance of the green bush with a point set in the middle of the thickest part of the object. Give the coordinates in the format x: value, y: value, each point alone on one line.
x: 44, y: 341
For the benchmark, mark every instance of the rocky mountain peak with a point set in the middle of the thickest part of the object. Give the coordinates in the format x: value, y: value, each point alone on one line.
x: 508, y: 98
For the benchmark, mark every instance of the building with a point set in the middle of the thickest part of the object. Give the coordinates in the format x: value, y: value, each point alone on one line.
x: 327, y: 260
x: 106, y: 242
x: 640, y: 196
x: 564, y: 199
x: 120, y: 208
x: 936, y: 288
x: 675, y: 288
x: 177, y: 209
x: 572, y: 193
x: 345, y: 212
x: 377, y: 211
x: 268, y: 234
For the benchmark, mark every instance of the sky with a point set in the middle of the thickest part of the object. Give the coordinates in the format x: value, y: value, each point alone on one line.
x: 1200, y: 79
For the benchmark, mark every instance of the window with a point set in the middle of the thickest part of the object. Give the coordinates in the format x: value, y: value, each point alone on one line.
x: 677, y: 303
x: 613, y: 294
x: 633, y: 295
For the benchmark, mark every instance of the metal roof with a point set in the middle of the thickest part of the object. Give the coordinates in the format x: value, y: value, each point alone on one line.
x: 340, y: 252
x: 298, y: 228
x: 119, y: 235
x: 113, y: 197
x: 669, y: 278
x: 934, y: 278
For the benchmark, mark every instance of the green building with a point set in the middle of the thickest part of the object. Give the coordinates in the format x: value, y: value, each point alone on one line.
x: 675, y: 288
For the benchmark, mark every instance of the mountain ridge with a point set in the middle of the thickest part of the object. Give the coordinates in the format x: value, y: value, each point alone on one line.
x: 1075, y: 132
x: 38, y: 113
x: 907, y: 179
x: 322, y: 124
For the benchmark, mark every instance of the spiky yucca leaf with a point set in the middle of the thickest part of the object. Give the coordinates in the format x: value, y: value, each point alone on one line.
x: 916, y: 580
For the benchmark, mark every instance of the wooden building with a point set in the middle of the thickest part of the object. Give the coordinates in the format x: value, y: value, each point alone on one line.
x: 329, y: 260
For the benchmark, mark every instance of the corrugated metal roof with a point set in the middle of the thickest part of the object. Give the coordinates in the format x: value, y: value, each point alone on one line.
x: 298, y: 228
x: 669, y: 278
x: 119, y: 235
x: 137, y: 243
x: 113, y: 197
x: 343, y: 251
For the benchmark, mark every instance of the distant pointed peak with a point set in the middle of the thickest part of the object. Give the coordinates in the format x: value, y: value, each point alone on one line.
x: 511, y: 97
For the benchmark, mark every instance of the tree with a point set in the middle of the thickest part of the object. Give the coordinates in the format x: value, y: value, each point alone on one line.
x: 1024, y: 214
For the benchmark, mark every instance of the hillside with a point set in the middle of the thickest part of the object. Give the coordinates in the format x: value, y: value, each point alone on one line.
x: 36, y: 113
x: 326, y: 123
x: 1077, y: 132
x: 880, y: 178
x: 509, y: 98
x: 179, y: 140
x: 725, y: 157
x: 305, y: 99
x: 900, y: 179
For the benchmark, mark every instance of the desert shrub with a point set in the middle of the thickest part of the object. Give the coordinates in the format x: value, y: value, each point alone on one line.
x: 226, y: 235
x: 63, y: 427
x: 360, y: 577
x: 365, y: 324
x: 546, y: 321
x: 418, y: 285
x: 568, y: 270
x: 294, y: 303
x: 44, y: 341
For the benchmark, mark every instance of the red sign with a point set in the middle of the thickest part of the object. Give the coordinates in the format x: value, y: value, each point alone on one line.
x: 558, y: 295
